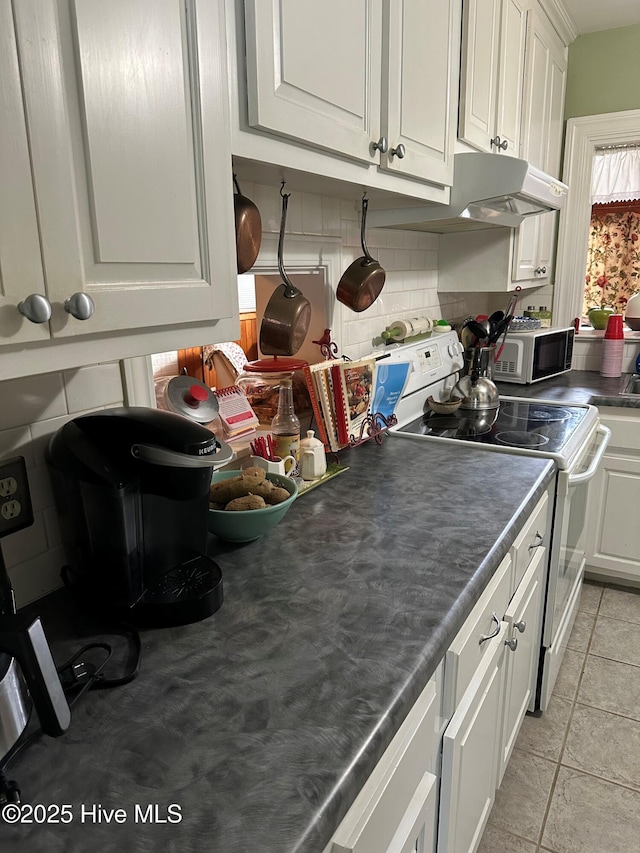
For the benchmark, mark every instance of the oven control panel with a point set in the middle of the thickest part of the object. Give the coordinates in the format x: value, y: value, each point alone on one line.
x: 428, y: 358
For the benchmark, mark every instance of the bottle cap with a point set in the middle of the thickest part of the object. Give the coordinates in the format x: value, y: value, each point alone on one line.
x: 614, y: 329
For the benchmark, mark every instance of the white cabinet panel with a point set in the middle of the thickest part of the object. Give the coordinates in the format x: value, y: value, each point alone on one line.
x: 126, y: 109
x: 313, y: 71
x: 470, y: 753
x: 493, y: 51
x: 132, y: 75
x: 613, y: 539
x: 420, y: 91
x: 513, y: 30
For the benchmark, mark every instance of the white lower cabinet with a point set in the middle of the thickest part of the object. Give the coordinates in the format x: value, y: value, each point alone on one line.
x: 613, y: 537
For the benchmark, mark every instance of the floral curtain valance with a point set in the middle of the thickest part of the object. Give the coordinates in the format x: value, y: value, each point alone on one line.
x: 616, y: 175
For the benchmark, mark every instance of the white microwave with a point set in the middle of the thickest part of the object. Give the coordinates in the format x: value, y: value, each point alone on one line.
x: 529, y: 357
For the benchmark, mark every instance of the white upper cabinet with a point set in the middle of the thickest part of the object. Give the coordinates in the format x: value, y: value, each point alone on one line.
x: 420, y: 88
x: 545, y: 81
x: 491, y: 77
x: 313, y: 72
x: 126, y: 170
x: 370, y: 83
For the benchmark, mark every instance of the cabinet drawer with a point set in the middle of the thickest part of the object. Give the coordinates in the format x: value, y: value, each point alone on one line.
x: 469, y: 646
x: 624, y: 429
x: 532, y: 536
x: 396, y: 794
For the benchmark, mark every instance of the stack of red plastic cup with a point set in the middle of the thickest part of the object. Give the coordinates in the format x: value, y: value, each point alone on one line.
x: 613, y: 347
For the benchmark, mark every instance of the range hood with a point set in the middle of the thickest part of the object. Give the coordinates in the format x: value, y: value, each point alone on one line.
x: 489, y: 190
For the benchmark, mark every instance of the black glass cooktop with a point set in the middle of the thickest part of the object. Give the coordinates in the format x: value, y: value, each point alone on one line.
x: 516, y: 423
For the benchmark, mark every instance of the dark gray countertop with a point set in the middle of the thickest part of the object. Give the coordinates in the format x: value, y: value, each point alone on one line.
x: 262, y: 722
x: 577, y: 386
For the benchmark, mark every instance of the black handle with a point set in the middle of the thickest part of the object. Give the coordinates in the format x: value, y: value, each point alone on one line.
x: 28, y: 644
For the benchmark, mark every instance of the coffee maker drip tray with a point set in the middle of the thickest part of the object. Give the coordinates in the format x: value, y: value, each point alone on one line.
x: 184, y: 594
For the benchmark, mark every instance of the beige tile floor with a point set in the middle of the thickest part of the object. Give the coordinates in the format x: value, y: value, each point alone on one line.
x: 573, y: 781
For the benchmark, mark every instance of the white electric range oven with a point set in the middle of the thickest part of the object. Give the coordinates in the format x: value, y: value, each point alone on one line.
x: 571, y: 435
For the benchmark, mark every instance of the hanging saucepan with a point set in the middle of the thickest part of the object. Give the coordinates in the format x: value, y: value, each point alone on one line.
x: 363, y: 280
x: 288, y: 313
x: 248, y: 229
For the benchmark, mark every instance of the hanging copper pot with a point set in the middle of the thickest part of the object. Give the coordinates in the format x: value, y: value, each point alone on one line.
x: 248, y: 229
x: 363, y: 280
x: 286, y: 318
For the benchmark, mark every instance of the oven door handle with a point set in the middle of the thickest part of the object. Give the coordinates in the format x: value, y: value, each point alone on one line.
x: 575, y: 479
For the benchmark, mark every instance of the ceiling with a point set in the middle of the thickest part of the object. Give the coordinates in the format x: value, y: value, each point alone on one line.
x: 590, y: 16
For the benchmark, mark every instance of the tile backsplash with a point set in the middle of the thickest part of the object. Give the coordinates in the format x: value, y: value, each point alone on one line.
x: 33, y: 408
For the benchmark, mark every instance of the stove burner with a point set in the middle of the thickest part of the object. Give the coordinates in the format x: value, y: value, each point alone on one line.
x: 514, y: 438
x: 536, y: 412
x: 458, y: 425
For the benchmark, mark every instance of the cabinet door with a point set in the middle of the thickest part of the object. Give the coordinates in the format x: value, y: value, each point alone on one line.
x: 533, y: 248
x: 493, y: 50
x: 524, y: 640
x: 513, y: 31
x: 479, y: 67
x: 20, y: 261
x: 313, y: 72
x: 613, y: 542
x: 126, y: 108
x: 470, y: 753
x: 420, y: 78
x: 545, y: 78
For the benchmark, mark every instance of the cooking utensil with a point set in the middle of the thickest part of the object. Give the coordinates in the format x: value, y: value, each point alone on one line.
x: 248, y: 229
x: 494, y: 321
x: 479, y: 329
x: 363, y: 280
x: 288, y: 313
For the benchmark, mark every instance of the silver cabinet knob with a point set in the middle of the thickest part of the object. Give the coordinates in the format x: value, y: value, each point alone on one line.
x: 398, y: 152
x: 520, y: 626
x: 80, y: 305
x: 381, y: 145
x: 500, y: 143
x: 36, y: 308
x: 540, y: 270
x: 512, y: 643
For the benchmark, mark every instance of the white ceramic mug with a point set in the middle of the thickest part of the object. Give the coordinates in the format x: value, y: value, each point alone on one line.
x: 285, y: 466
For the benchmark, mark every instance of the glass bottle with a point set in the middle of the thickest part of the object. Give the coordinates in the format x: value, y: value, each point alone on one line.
x: 285, y: 426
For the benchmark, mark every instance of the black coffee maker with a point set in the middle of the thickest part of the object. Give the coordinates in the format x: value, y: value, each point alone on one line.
x: 132, y: 491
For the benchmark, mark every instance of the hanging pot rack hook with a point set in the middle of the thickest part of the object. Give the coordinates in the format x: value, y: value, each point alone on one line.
x: 290, y: 289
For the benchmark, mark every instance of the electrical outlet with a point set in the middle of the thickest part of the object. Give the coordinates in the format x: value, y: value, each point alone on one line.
x: 15, y: 502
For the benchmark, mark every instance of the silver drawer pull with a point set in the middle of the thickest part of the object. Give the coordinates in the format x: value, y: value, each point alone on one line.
x: 539, y: 539
x: 520, y: 626
x: 495, y: 633
x: 512, y: 643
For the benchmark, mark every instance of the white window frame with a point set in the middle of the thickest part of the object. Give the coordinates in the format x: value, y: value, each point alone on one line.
x: 583, y: 135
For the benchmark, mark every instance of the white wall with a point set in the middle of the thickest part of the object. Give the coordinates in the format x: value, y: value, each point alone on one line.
x: 31, y: 409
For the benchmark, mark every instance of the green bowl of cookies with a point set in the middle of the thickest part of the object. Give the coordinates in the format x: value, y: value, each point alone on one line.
x: 244, y: 505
